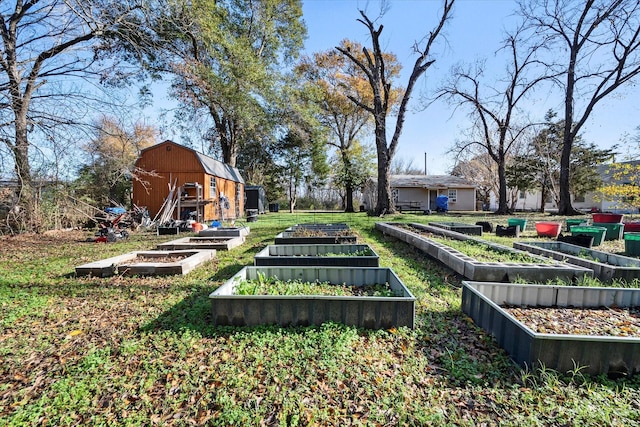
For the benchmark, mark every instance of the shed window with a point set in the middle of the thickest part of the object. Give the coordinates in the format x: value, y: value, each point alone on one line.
x: 212, y: 187
x: 453, y: 196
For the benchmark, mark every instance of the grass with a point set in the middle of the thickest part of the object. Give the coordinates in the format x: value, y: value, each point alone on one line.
x: 141, y: 351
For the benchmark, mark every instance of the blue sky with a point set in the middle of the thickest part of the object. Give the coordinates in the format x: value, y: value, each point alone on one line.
x: 474, y: 32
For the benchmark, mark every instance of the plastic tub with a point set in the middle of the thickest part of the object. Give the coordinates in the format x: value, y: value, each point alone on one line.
x: 632, y: 227
x: 614, y: 230
x: 607, y: 217
x: 521, y: 223
x: 573, y: 221
x: 548, y: 229
x: 597, y: 233
x: 632, y: 243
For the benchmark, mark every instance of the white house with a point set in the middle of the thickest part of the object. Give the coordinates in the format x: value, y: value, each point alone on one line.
x: 530, y: 201
x: 419, y: 192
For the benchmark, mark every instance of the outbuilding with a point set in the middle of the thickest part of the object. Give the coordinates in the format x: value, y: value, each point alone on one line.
x: 207, y: 189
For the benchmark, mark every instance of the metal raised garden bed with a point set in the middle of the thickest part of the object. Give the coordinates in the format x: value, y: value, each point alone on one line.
x: 563, y: 352
x: 301, y: 310
x: 129, y: 264
x: 606, y: 266
x: 218, y: 243
x: 327, y: 237
x: 473, y: 269
x: 319, y: 226
x: 224, y: 232
x: 316, y: 255
x: 459, y: 227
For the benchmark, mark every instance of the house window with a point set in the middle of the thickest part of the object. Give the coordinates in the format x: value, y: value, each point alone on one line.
x: 212, y: 187
x: 522, y: 194
x: 453, y: 196
x: 579, y: 198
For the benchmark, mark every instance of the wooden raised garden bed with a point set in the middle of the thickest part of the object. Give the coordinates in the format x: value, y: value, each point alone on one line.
x: 592, y: 354
x: 353, y: 255
x: 372, y: 312
x: 147, y: 263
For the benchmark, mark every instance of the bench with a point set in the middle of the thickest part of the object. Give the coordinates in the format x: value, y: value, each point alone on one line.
x: 410, y: 206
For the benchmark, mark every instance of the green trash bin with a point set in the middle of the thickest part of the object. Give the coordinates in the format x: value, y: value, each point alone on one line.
x: 521, y: 223
x: 614, y: 230
x: 632, y: 243
x: 597, y: 233
x: 573, y: 221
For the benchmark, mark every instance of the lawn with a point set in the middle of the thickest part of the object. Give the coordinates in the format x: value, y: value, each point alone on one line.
x: 141, y: 351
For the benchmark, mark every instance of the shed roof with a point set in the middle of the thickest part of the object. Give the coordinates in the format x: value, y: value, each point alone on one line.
x: 429, y: 181
x: 210, y: 165
x: 218, y: 168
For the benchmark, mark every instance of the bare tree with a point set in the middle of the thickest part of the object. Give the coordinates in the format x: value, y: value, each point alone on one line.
x: 494, y: 110
x: 47, y: 48
x: 373, y: 65
x: 596, y: 46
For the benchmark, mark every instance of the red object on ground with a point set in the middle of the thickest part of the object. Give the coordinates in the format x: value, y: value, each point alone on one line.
x: 607, y: 217
x: 548, y: 229
x: 633, y: 227
x: 101, y: 239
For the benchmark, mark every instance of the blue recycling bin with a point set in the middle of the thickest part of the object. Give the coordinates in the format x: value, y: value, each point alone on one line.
x: 442, y: 204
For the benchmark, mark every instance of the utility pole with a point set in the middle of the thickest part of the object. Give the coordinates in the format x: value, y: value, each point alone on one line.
x: 425, y: 162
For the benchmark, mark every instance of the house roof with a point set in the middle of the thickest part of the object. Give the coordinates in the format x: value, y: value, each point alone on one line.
x: 429, y: 181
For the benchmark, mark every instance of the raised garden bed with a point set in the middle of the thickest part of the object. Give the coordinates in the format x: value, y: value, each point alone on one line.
x: 353, y: 255
x: 147, y: 263
x: 314, y: 237
x: 224, y: 232
x: 606, y: 266
x: 459, y: 227
x: 218, y: 243
x: 473, y: 269
x: 319, y: 226
x: 594, y: 355
x: 372, y: 312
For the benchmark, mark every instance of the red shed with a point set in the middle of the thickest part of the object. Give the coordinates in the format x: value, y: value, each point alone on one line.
x: 209, y: 187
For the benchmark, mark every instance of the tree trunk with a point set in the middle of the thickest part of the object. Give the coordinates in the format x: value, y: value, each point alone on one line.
x: 27, y: 216
x: 385, y: 204
x: 348, y: 198
x: 543, y: 197
x: 348, y: 186
x: 503, y: 207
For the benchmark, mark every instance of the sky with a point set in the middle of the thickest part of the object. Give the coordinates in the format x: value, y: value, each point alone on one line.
x: 474, y: 33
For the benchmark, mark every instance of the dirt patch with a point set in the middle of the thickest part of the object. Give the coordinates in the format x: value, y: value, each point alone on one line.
x: 619, y: 322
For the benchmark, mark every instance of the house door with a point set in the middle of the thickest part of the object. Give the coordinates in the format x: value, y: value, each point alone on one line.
x: 433, y: 194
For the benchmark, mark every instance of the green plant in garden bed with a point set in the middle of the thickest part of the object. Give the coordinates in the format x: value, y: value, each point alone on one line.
x: 486, y: 253
x: 360, y: 252
x: 272, y: 286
